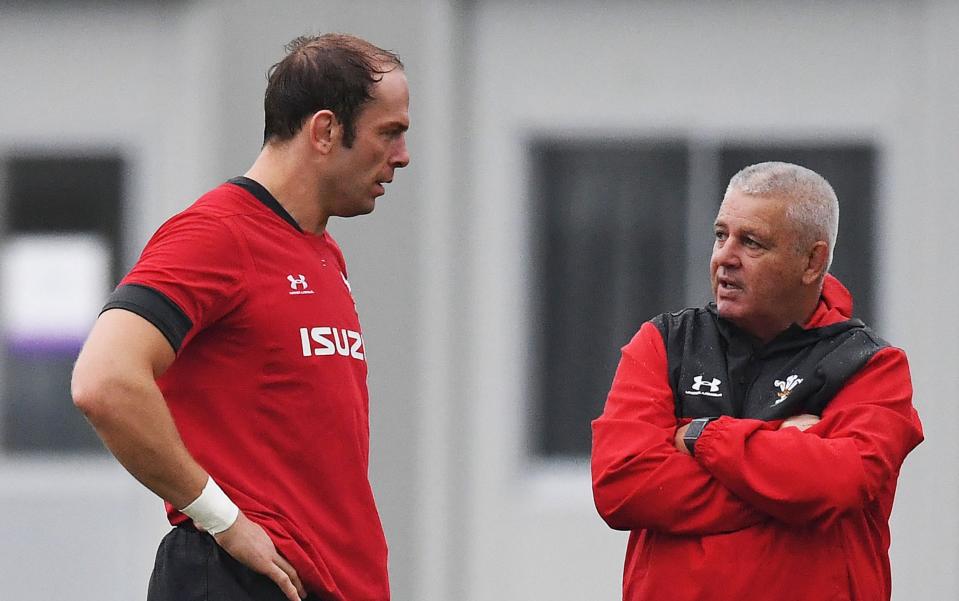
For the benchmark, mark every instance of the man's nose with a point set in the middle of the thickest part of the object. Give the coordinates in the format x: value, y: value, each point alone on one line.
x: 726, y: 254
x: 401, y: 155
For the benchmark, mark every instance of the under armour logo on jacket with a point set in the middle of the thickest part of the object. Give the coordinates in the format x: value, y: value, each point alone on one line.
x: 699, y: 383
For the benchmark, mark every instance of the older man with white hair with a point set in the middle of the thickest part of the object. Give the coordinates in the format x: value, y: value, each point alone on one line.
x: 752, y: 447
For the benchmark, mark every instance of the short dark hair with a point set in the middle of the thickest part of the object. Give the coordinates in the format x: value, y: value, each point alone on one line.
x: 333, y: 71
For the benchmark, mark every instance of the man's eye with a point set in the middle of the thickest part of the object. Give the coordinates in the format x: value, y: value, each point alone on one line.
x: 749, y: 242
x: 721, y: 235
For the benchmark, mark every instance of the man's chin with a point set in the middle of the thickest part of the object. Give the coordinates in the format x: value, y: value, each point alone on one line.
x: 728, y: 310
x: 356, y: 211
x: 370, y: 205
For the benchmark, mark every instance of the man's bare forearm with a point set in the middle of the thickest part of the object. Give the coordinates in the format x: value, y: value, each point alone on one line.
x: 114, y: 386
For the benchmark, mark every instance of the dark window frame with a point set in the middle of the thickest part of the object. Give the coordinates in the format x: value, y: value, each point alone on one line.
x: 55, y: 191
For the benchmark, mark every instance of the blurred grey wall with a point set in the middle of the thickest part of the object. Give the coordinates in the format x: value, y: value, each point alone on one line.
x: 442, y: 269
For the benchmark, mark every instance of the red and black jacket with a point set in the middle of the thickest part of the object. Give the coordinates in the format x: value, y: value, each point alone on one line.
x: 759, y: 513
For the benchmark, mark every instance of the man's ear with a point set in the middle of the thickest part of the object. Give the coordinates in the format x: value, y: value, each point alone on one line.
x: 816, y: 262
x: 323, y: 129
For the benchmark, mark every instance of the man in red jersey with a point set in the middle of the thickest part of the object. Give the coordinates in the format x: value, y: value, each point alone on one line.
x: 227, y: 371
x: 752, y: 447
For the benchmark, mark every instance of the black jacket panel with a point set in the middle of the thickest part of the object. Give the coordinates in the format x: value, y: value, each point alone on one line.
x: 716, y: 369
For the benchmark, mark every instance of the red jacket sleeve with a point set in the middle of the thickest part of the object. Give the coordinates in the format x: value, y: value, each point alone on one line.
x: 839, y: 464
x: 640, y: 480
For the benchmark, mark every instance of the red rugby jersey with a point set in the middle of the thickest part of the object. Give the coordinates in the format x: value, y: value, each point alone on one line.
x: 268, y: 389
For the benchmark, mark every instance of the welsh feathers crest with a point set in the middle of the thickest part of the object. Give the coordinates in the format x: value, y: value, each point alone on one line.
x: 786, y: 387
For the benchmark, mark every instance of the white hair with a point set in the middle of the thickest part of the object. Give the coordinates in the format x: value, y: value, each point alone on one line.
x: 811, y: 202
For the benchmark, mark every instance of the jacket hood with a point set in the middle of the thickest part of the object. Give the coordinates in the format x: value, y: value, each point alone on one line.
x: 835, y: 304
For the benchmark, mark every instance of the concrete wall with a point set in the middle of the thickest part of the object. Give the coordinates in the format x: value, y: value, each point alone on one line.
x: 440, y: 269
x: 80, y: 78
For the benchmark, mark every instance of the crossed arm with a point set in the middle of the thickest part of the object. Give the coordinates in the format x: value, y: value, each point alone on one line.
x: 640, y: 479
x: 745, y: 471
x: 114, y: 385
x: 838, y: 464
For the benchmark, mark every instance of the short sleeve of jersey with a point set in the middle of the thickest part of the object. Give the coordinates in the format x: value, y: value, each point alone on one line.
x: 188, y: 276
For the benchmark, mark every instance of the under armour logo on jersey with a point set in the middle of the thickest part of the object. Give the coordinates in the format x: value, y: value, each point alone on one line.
x: 699, y: 383
x: 786, y: 387
x: 298, y: 285
x: 295, y: 283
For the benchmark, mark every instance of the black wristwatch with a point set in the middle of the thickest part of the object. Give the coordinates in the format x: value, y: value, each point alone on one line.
x: 692, y: 433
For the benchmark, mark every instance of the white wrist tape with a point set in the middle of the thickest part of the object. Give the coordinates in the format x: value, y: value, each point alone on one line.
x: 212, y: 511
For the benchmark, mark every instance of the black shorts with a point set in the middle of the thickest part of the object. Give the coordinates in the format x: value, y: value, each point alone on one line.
x: 190, y: 566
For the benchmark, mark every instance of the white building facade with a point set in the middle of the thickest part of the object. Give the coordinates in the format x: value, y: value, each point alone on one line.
x: 445, y: 271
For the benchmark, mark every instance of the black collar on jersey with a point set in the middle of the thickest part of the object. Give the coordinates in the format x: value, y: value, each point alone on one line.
x: 263, y: 195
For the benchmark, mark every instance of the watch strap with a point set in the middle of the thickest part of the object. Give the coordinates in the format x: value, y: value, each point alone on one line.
x: 694, y: 431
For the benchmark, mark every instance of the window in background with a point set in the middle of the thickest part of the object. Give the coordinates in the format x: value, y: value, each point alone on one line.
x: 614, y: 226
x: 610, y: 229
x: 60, y: 254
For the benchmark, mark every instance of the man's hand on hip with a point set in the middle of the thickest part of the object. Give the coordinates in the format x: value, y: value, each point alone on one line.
x: 249, y: 544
